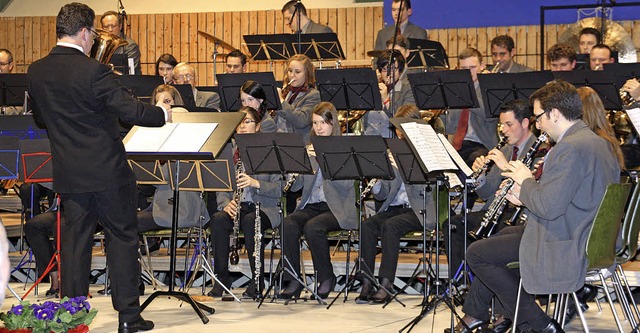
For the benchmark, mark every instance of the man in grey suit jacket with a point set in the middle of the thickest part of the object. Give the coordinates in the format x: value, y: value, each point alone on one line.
x: 184, y: 73
x: 306, y: 25
x: 560, y: 209
x: 407, y: 29
x: 502, y: 53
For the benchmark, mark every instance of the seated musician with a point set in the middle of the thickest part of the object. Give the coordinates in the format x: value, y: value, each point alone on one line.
x: 588, y: 38
x: 164, y: 67
x: 299, y: 97
x: 399, y: 214
x: 502, y: 53
x: 631, y: 148
x: 263, y: 188
x: 561, y: 57
x: 185, y: 73
x: 600, y: 54
x: 168, y: 94
x: 252, y: 94
x: 561, y: 205
x: 38, y: 230
x: 377, y: 122
x: 325, y: 206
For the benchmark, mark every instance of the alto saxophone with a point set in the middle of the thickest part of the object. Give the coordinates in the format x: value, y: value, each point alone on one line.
x: 257, y: 250
x: 497, y: 206
x: 234, y: 258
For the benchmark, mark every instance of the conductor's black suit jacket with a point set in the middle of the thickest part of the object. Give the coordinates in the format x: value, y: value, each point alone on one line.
x: 80, y: 103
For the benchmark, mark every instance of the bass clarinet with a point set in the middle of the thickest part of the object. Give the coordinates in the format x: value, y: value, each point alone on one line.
x: 257, y: 250
x: 497, y: 206
x: 234, y: 258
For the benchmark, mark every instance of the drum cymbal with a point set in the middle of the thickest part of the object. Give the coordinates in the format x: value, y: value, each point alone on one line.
x: 216, y: 40
x: 374, y: 53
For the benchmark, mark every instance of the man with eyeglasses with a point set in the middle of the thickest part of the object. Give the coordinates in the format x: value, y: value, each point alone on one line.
x: 6, y: 67
x: 184, y: 73
x: 111, y: 21
x: 81, y: 103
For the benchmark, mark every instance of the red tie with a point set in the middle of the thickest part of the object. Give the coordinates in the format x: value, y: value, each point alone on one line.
x: 463, y: 126
x: 514, y: 156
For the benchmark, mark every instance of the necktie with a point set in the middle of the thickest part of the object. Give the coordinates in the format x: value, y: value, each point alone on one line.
x: 398, y: 32
x: 514, y: 156
x: 463, y: 126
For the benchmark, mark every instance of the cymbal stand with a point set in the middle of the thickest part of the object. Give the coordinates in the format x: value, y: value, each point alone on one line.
x: 215, y: 61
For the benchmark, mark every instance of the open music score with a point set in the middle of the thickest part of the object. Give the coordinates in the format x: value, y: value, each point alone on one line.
x: 430, y: 150
x: 455, y: 156
x: 634, y: 117
x: 172, y: 137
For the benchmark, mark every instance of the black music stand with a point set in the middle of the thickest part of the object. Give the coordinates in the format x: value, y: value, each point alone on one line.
x: 10, y: 167
x: 148, y: 172
x: 186, y: 92
x: 498, y: 89
x: 12, y: 89
x: 324, y: 46
x: 269, y: 47
x: 227, y: 122
x: 229, y: 88
x: 353, y: 158
x: 22, y: 127
x: 427, y: 54
x: 623, y: 72
x: 443, y: 90
x: 281, y: 153
x: 141, y: 86
x: 604, y: 83
x: 582, y: 62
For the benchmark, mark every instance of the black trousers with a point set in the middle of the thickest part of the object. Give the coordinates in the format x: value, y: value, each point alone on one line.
x: 30, y: 195
x: 116, y: 211
x: 488, y: 259
x: 314, y: 221
x: 391, y: 225
x: 37, y: 230
x: 221, y: 226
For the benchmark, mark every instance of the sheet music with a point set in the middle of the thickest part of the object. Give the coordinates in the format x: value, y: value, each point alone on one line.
x: 455, y: 156
x: 634, y: 116
x: 454, y: 180
x: 172, y: 137
x: 429, y: 148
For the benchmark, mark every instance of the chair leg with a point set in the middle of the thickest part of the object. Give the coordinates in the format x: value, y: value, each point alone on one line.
x: 624, y: 301
x: 613, y: 309
x: 515, y: 316
x: 576, y: 303
x: 634, y: 307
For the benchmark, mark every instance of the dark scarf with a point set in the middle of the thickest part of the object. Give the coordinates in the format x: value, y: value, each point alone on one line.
x: 295, y: 91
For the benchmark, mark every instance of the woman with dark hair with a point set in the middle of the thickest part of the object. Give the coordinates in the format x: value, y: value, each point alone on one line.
x: 299, y: 97
x: 252, y: 94
x: 164, y: 67
x: 325, y: 205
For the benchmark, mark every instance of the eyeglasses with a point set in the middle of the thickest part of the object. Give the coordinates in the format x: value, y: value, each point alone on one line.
x: 248, y: 121
x: 95, y: 34
x: 187, y: 77
x: 5, y: 63
x: 537, y: 118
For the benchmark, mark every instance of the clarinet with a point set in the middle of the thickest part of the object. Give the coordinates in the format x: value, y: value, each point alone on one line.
x: 497, y: 206
x: 367, y: 189
x: 257, y: 251
x: 290, y: 182
x: 476, y: 174
x: 234, y: 258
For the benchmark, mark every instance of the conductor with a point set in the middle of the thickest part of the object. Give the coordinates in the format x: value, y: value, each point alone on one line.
x: 80, y: 101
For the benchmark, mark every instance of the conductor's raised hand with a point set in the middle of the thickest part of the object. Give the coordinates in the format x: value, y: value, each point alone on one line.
x: 168, y: 110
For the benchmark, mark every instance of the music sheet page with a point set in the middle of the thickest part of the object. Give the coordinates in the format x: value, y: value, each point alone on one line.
x: 456, y: 157
x: 172, y: 137
x: 428, y: 146
x: 634, y: 116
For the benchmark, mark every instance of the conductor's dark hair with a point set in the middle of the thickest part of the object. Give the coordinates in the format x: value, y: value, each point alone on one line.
x: 592, y: 31
x: 290, y: 7
x: 72, y: 18
x: 561, y: 95
x: 520, y: 108
x: 238, y: 54
x: 383, y: 59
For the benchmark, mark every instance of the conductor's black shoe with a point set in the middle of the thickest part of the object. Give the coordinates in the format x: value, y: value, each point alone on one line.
x: 134, y: 326
x: 553, y: 327
x: 365, y: 292
x: 292, y: 291
x: 52, y: 292
x: 251, y: 291
x: 105, y: 291
x: 381, y: 296
x: 587, y: 293
x: 217, y: 290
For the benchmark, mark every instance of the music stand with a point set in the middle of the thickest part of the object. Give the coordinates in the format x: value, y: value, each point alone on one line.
x: 9, y: 166
x: 148, y: 172
x: 498, y: 89
x: 186, y: 92
x: 229, y: 89
x: 604, y: 83
x: 141, y: 86
x: 269, y: 47
x: 623, y: 72
x: 325, y: 46
x: 443, y: 90
x: 281, y: 153
x: 226, y: 124
x: 582, y: 62
x: 427, y: 54
x: 22, y: 127
x: 353, y: 158
x: 12, y: 89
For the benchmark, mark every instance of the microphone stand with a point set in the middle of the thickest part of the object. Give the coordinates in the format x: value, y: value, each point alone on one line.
x: 122, y: 18
x: 299, y: 30
x: 391, y: 67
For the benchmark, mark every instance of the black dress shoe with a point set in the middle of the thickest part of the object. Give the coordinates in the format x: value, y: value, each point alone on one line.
x: 553, y: 327
x: 252, y: 292
x: 52, y: 292
x: 365, y: 292
x: 105, y: 291
x: 135, y: 326
x: 326, y: 287
x: 473, y: 325
x: 217, y: 290
x: 292, y: 291
x: 587, y: 293
x: 503, y: 326
x: 571, y: 309
x: 381, y: 296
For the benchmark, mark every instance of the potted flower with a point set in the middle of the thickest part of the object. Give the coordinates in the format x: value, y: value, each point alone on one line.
x: 69, y: 315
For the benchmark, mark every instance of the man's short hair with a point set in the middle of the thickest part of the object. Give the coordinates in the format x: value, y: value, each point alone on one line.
x: 111, y: 12
x: 290, y: 7
x: 561, y: 50
x: 603, y: 47
x: 468, y: 53
x: 407, y: 3
x: 591, y: 31
x: 503, y: 41
x: 520, y: 108
x: 9, y: 54
x: 561, y: 95
x: 72, y: 18
x: 383, y: 59
x: 238, y: 54
x: 401, y: 41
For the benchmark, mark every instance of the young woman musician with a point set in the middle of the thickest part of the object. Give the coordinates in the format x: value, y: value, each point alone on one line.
x: 324, y: 206
x: 265, y: 189
x: 252, y: 94
x: 299, y: 96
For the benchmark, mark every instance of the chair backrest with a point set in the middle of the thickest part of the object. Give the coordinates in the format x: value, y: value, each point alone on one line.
x: 606, y: 224
x: 631, y: 226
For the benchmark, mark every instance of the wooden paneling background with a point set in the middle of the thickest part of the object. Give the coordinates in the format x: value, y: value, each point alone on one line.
x: 31, y: 38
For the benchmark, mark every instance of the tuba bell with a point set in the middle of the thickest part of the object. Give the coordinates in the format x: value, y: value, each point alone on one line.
x: 105, y: 47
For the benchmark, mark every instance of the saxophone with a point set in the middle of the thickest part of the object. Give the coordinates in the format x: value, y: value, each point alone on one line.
x: 234, y: 258
x: 257, y: 251
x: 497, y: 206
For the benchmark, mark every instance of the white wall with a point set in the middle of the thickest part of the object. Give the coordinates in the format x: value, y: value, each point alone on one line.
x: 51, y: 7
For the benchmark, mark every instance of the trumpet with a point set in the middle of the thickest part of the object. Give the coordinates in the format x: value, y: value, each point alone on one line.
x: 497, y: 206
x: 496, y: 68
x: 476, y: 174
x: 626, y: 98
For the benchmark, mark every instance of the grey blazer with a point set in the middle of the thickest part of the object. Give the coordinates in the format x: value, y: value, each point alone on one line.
x: 207, y: 99
x: 561, y: 208
x: 410, y: 31
x: 339, y: 194
x: 485, y: 127
x: 518, y: 68
x: 377, y: 122
x: 316, y: 28
x: 298, y: 115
